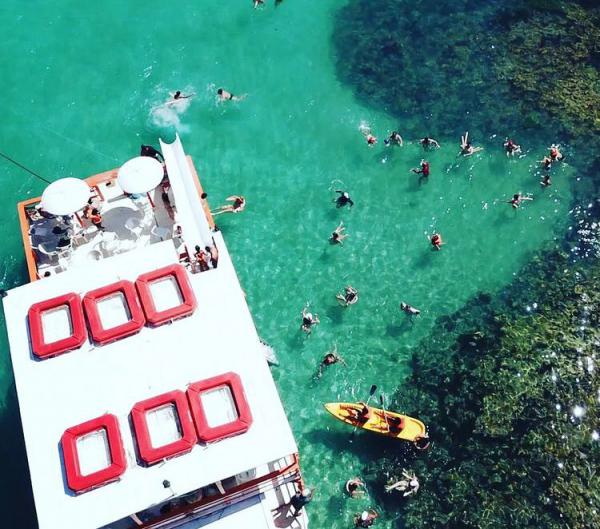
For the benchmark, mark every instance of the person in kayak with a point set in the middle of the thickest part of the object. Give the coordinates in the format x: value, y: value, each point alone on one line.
x: 395, y: 423
x: 343, y: 200
x: 349, y: 297
x: 511, y: 148
x: 355, y: 487
x: 366, y: 518
x: 409, y: 309
x: 428, y: 143
x: 359, y: 412
x: 338, y: 235
x: 436, y: 241
x: 394, y: 139
x: 308, y: 320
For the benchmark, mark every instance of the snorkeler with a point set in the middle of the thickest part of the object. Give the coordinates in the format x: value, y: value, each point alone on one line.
x: 428, y: 143
x: 394, y: 139
x: 338, y: 235
x: 423, y: 170
x: 308, y: 320
x: 555, y: 154
x: 343, y: 200
x: 517, y: 200
x: 349, y: 297
x: 239, y: 203
x: 224, y: 95
x: 409, y: 309
x: 436, y: 241
x: 466, y: 149
x: 511, y: 148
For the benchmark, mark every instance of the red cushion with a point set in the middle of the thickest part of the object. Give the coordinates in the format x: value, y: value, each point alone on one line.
x: 39, y: 346
x: 150, y: 454
x: 179, y: 274
x: 137, y: 320
x: 75, y: 479
x: 240, y: 425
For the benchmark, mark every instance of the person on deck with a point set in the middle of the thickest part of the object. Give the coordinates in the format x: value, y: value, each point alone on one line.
x: 213, y: 251
x: 96, y: 219
x: 201, y: 258
x: 338, y: 235
x: 343, y: 200
x: 300, y: 499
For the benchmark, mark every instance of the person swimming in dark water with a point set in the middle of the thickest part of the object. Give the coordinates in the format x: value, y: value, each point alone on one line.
x: 343, y: 200
x: 517, y: 200
x: 349, y: 297
x: 394, y: 139
x: 409, y: 309
x: 466, y: 148
x: 511, y: 148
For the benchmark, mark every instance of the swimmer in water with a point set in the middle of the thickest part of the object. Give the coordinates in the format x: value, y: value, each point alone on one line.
x: 555, y: 154
x: 423, y: 171
x: 308, y: 320
x: 224, y: 95
x: 355, y: 487
x: 370, y: 138
x: 546, y: 162
x: 394, y: 139
x: 338, y: 236
x: 517, y: 200
x: 343, y: 200
x: 366, y: 518
x: 409, y: 309
x: 511, y: 148
x: 466, y: 149
x: 436, y: 241
x: 546, y: 181
x: 258, y: 3
x: 238, y: 204
x: 177, y: 97
x: 428, y: 143
x: 332, y: 357
x: 349, y: 297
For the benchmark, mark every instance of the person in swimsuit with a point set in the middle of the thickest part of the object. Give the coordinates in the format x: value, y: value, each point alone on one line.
x: 366, y: 518
x: 424, y: 170
x: 511, y: 148
x: 546, y: 162
x: 355, y: 487
x: 258, y: 3
x: 338, y: 235
x: 555, y: 154
x: 359, y: 412
x: 308, y: 320
x: 517, y: 200
x: 332, y: 357
x: 546, y: 181
x: 408, y: 484
x: 201, y: 258
x: 394, y: 139
x: 395, y: 424
x: 466, y: 149
x: 436, y: 241
x: 343, y: 200
x: 428, y: 143
x: 409, y: 309
x: 238, y: 205
x: 349, y: 297
x: 224, y: 95
x: 213, y: 251
x: 96, y: 219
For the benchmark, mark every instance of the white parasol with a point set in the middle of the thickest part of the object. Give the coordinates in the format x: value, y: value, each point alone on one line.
x: 140, y: 175
x: 65, y: 196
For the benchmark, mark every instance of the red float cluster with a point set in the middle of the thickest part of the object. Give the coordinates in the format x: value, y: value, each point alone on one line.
x: 140, y: 306
x: 192, y: 423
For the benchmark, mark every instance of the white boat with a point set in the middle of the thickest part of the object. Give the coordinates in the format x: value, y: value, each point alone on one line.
x: 144, y: 395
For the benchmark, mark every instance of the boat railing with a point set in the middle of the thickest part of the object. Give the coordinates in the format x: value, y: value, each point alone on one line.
x: 254, y: 487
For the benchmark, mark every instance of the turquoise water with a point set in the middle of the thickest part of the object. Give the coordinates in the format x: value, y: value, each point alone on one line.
x: 79, y: 86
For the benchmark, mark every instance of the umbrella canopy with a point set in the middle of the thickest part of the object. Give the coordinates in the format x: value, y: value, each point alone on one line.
x: 65, y: 196
x: 140, y: 175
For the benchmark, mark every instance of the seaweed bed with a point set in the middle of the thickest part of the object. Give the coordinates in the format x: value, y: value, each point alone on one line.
x: 509, y: 384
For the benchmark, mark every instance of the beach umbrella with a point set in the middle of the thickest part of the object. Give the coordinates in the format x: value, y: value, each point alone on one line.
x: 140, y: 175
x: 65, y: 196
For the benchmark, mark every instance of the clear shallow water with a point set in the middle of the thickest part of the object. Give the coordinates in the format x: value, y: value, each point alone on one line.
x: 79, y: 87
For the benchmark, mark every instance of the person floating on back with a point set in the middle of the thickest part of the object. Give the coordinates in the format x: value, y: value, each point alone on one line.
x: 224, y: 95
x: 238, y: 204
x: 409, y: 309
x: 466, y: 149
x: 355, y: 487
x: 349, y: 297
x: 338, y: 235
x: 343, y: 200
x: 151, y: 152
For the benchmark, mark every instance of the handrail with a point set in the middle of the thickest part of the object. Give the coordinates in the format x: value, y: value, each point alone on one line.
x: 280, y: 477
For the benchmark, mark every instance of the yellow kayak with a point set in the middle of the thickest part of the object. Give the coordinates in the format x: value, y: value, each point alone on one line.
x: 385, y: 423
